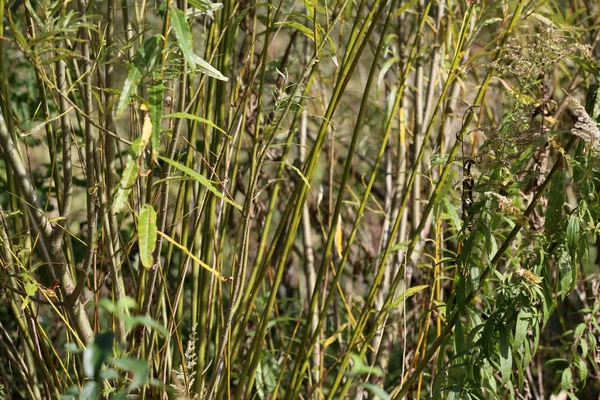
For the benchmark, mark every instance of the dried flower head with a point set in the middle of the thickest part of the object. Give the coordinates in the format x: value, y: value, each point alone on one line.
x: 585, y: 127
x: 529, y: 276
x: 505, y: 205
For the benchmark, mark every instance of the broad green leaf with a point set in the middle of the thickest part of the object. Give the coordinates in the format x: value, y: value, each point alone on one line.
x: 96, y: 353
x: 359, y: 367
x: 208, y: 69
x: 183, y: 35
x: 521, y: 328
x: 156, y: 106
x: 460, y: 342
x: 196, y: 118
x: 583, y: 369
x: 128, y: 178
x: 566, y: 379
x: 132, y: 322
x: 91, y: 390
x: 376, y: 390
x: 139, y: 368
x: 203, y: 181
x: 584, y: 347
x: 143, y: 62
x: 147, y: 234
x: 505, y: 355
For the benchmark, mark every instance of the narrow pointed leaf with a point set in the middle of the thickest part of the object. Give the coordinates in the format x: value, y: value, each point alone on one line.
x: 183, y: 35
x: 156, y: 105
x: 196, y: 118
x: 203, y: 181
x: 208, y: 69
x: 193, y: 257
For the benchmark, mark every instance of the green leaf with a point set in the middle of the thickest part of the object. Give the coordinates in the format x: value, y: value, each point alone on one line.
x: 130, y: 174
x: 234, y: 28
x: 96, y: 354
x: 203, y: 181
x: 196, y: 118
x: 138, y: 367
x: 566, y: 380
x: 147, y: 234
x: 132, y: 322
x: 297, y: 25
x: 208, y: 69
x: 408, y: 293
x: 505, y: 355
x: 156, y: 106
x: 406, y: 6
x: 91, y: 390
x: 183, y: 35
x: 521, y: 328
x: 592, y: 103
x: 460, y: 342
x: 297, y: 170
x: 360, y: 368
x: 556, y: 199
x: 376, y: 390
x: 143, y: 61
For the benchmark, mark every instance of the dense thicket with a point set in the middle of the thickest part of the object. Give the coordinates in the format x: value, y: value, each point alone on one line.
x: 299, y: 199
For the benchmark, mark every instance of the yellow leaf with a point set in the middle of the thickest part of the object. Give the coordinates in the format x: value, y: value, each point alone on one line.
x: 335, y: 336
x: 146, y: 131
x: 339, y: 237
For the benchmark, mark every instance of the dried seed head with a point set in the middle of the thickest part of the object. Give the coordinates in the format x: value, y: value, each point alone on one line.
x: 585, y: 127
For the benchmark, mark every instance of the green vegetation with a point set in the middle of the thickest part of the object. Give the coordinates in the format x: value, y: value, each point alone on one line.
x: 300, y: 199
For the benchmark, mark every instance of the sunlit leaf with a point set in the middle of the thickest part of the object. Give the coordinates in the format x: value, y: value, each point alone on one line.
x: 208, y: 69
x: 147, y: 234
x: 130, y: 174
x: 193, y: 257
x: 203, y: 181
x: 339, y: 237
x: 196, y: 118
x: 183, y: 35
x: 156, y: 106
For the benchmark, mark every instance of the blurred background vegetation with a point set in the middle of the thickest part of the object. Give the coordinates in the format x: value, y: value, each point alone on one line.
x: 299, y: 199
